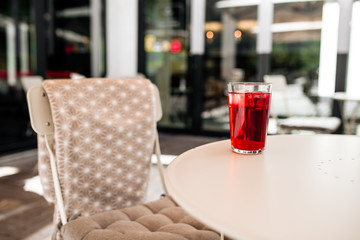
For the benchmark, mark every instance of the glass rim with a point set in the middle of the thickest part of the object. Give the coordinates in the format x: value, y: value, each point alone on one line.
x: 249, y: 83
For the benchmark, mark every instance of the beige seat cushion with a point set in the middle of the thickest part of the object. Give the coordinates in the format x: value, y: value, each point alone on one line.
x: 160, y: 220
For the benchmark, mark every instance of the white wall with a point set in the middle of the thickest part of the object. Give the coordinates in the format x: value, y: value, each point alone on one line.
x: 121, y: 38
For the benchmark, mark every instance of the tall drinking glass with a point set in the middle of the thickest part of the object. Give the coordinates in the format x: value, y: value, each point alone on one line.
x: 249, y: 105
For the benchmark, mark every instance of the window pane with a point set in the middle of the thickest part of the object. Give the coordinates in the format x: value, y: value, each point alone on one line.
x: 230, y: 56
x: 166, y: 46
x: 296, y: 52
x: 68, y: 39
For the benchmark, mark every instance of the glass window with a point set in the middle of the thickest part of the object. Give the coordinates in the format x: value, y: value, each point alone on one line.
x: 166, y: 46
x: 17, y: 60
x: 68, y: 39
x: 296, y: 52
x: 230, y: 56
x: 65, y: 49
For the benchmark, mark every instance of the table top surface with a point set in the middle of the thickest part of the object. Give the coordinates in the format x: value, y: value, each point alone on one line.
x: 300, y: 187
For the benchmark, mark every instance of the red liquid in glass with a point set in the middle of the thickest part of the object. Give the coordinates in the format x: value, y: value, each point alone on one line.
x: 249, y: 114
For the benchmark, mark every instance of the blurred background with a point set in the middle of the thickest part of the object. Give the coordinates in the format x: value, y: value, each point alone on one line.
x: 190, y: 49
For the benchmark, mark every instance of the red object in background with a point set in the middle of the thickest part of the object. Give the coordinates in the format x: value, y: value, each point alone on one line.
x: 249, y: 114
x: 68, y: 49
x: 4, y: 74
x: 175, y: 46
x: 49, y: 74
x: 58, y: 74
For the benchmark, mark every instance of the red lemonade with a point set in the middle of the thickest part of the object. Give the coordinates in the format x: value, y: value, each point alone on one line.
x: 249, y: 114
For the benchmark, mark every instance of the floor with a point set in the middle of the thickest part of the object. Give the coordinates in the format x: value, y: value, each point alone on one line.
x: 24, y: 213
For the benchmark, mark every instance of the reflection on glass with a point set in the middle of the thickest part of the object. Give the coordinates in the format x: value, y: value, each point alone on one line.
x: 297, y: 31
x: 296, y: 40
x: 16, y: 62
x: 230, y: 56
x: 69, y: 39
x: 231, y: 53
x: 166, y: 46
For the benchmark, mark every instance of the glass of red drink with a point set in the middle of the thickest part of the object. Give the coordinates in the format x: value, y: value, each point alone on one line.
x: 249, y: 105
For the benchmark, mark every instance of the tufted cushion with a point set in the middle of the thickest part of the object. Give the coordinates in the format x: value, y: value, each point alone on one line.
x: 160, y: 220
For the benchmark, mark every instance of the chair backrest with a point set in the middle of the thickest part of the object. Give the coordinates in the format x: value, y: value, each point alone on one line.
x: 279, y: 86
x: 76, y: 76
x: 96, y: 138
x: 29, y: 81
x: 40, y: 112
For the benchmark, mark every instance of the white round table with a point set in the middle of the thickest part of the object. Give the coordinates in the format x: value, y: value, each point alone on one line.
x: 301, y: 187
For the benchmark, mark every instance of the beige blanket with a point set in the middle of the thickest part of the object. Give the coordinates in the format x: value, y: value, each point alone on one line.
x: 104, y: 138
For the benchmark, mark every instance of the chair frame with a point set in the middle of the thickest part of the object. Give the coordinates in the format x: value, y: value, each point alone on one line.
x: 42, y: 123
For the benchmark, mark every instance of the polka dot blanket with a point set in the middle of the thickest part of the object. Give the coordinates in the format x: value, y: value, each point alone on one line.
x: 104, y: 139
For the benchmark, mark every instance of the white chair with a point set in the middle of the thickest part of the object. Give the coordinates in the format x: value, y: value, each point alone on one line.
x: 28, y: 81
x: 76, y: 76
x: 303, y: 123
x: 105, y: 133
